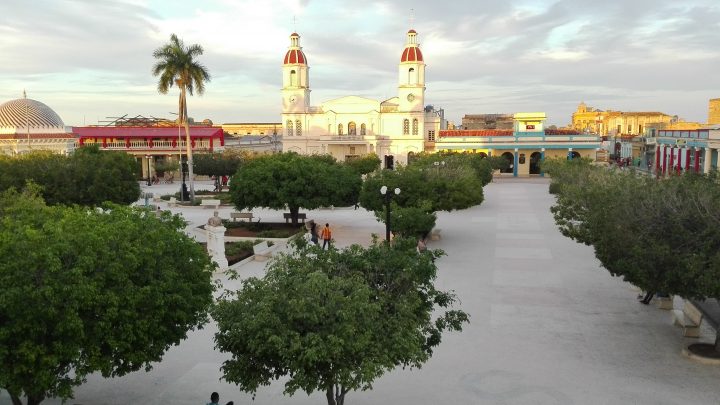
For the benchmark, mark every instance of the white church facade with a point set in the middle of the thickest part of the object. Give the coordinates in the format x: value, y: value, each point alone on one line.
x: 353, y: 126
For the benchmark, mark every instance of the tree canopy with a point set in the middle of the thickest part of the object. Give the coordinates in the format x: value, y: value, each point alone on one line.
x: 87, y: 177
x: 432, y: 182
x: 364, y: 164
x: 662, y: 235
x: 296, y: 181
x: 334, y: 321
x: 217, y: 164
x: 91, y: 290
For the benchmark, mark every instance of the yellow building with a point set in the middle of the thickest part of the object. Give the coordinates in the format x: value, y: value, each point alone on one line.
x: 714, y: 112
x: 616, y: 123
x: 251, y: 128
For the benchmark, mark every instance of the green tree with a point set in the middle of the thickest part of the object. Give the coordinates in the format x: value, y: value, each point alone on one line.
x: 91, y: 290
x: 217, y: 164
x: 178, y: 65
x: 334, y: 321
x: 87, y: 177
x: 364, y: 164
x: 288, y: 179
x: 425, y: 187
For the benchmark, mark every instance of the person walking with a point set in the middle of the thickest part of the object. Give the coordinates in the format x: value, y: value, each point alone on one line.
x: 326, y: 236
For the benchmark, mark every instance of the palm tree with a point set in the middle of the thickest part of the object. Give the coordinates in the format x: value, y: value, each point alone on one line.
x: 178, y: 65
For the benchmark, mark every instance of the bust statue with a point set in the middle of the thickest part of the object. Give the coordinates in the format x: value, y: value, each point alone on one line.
x: 215, y: 220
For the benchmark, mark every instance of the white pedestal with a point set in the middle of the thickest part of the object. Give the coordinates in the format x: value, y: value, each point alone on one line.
x: 216, y: 245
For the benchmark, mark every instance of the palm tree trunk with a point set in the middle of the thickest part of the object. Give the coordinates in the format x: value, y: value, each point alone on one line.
x: 188, y: 143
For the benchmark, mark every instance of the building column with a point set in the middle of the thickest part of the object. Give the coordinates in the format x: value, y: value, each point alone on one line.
x: 515, y: 163
x: 707, y: 160
x: 697, y: 160
x: 664, y: 160
x: 687, y: 159
x: 672, y: 160
x: 542, y: 159
x: 657, y: 159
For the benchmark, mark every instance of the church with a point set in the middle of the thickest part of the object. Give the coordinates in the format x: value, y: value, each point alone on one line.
x: 352, y: 126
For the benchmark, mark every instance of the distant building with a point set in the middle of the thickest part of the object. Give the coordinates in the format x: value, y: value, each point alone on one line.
x: 615, y: 123
x: 714, y: 112
x: 525, y: 145
x: 28, y: 125
x: 487, y: 121
x: 252, y: 128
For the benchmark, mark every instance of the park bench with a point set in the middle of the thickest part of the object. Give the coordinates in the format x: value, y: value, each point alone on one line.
x: 689, y: 319
x: 262, y: 251
x: 288, y: 217
x: 210, y: 203
x: 241, y: 215
x: 435, y: 234
x: 710, y: 310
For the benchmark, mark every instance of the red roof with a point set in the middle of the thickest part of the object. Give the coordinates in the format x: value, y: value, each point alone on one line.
x: 145, y: 132
x: 411, y: 54
x: 412, y: 32
x: 473, y: 132
x: 294, y: 56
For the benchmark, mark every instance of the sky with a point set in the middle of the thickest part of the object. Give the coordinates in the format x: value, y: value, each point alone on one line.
x: 91, y: 59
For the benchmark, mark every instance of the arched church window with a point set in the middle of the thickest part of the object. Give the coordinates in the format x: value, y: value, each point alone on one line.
x: 406, y: 126
x: 412, y: 79
x: 362, y: 129
x: 289, y: 128
x: 415, y: 126
x: 293, y: 78
x: 340, y: 129
x: 298, y: 128
x: 352, y: 129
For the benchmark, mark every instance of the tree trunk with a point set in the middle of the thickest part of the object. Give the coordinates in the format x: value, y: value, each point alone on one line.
x: 15, y: 399
x: 34, y: 400
x: 330, y: 395
x: 294, y: 214
x: 188, y: 142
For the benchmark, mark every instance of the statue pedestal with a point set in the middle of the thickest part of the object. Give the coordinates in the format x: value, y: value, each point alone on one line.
x: 216, y: 245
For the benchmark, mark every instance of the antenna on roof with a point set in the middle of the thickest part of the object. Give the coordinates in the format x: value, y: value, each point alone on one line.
x: 24, y: 94
x: 412, y: 17
x: 294, y: 24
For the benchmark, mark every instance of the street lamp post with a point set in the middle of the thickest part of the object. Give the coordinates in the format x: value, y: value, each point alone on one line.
x: 437, y: 166
x: 388, y: 198
x: 149, y: 182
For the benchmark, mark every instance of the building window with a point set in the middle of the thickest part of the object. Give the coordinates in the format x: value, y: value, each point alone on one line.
x: 340, y: 129
x: 352, y: 129
x: 406, y: 126
x: 362, y: 129
x: 415, y: 126
x: 289, y: 128
x: 619, y: 131
x: 293, y: 78
x: 629, y: 129
x: 411, y: 76
x: 431, y: 135
x: 640, y: 129
x: 298, y: 128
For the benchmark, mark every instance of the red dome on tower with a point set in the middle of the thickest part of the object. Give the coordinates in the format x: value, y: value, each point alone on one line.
x: 411, y: 54
x: 294, y: 56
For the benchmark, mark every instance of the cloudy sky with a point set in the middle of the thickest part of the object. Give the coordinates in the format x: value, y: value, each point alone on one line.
x: 91, y: 59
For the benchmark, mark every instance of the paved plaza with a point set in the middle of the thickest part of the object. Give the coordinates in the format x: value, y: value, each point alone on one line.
x: 548, y: 324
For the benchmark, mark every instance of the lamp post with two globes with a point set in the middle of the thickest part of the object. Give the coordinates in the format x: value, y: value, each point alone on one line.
x: 388, y: 198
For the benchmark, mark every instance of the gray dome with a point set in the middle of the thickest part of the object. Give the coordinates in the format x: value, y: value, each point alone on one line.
x: 24, y: 112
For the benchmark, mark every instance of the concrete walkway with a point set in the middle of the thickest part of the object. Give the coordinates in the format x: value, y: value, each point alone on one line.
x: 548, y: 326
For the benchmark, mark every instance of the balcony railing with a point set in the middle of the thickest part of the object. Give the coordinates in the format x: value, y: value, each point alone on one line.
x: 143, y: 145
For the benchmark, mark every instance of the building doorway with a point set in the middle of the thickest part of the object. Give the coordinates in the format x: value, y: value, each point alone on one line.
x: 390, y: 162
x: 510, y: 160
x: 535, y: 159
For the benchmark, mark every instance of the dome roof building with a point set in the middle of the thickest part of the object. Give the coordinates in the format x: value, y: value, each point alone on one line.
x: 27, y: 124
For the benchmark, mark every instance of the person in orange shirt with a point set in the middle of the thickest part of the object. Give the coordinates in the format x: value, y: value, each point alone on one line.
x: 326, y: 235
